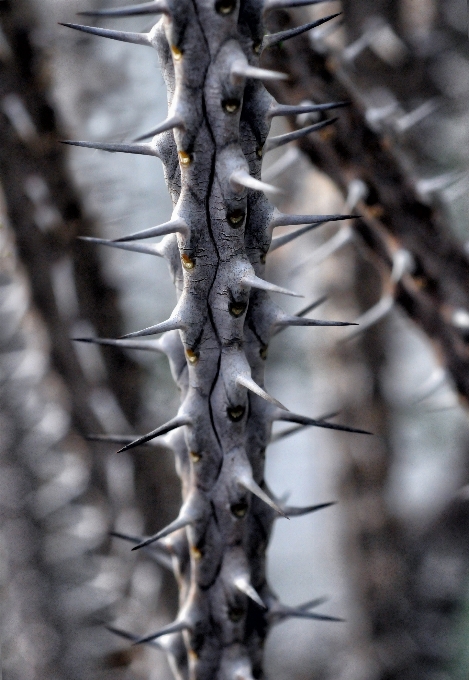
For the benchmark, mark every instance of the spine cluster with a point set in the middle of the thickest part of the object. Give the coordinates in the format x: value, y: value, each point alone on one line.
x: 217, y: 337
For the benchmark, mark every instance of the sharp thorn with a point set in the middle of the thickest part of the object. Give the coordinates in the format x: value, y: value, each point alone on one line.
x: 158, y: 552
x: 126, y: 537
x: 148, y: 345
x: 286, y: 320
x: 282, y: 220
x: 139, y: 149
x: 123, y: 36
x: 293, y: 430
x: 155, y: 7
x: 148, y: 249
x: 280, y: 611
x: 177, y: 627
x: 242, y: 584
x: 129, y: 636
x: 255, y: 282
x: 304, y: 420
x: 244, y: 179
x: 164, y: 326
x: 111, y: 438
x: 178, y: 523
x: 161, y: 547
x: 311, y: 604
x: 248, y: 483
x: 281, y: 36
x: 122, y: 633
x: 313, y: 305
x: 172, y: 424
x: 286, y: 110
x: 280, y: 241
x: 274, y: 142
x: 176, y: 226
x: 249, y: 384
x: 292, y: 511
x: 168, y: 124
x: 300, y: 614
x: 286, y: 433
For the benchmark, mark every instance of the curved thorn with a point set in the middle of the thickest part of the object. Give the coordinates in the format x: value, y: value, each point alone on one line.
x: 123, y: 36
x: 292, y: 511
x: 275, y: 38
x: 280, y: 241
x: 434, y: 381
x: 248, y: 483
x: 286, y: 110
x: 372, y: 316
x: 179, y: 523
x: 254, y: 281
x: 241, y: 69
x: 280, y: 140
x: 291, y: 156
x: 283, y: 220
x: 148, y: 345
x: 148, y: 249
x: 163, y: 327
x: 176, y: 226
x: 244, y: 179
x: 168, y: 124
x: 249, y: 384
x: 155, y: 7
x: 335, y: 243
x: 242, y: 584
x: 289, y: 4
x: 304, y: 420
x: 172, y: 424
x: 138, y: 149
x: 167, y: 630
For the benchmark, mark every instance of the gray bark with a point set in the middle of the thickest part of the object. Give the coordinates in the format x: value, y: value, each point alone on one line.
x: 217, y: 336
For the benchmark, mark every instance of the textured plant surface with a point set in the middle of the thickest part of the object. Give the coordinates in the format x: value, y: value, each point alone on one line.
x: 217, y: 337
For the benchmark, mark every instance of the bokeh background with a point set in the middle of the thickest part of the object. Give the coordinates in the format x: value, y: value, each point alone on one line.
x: 392, y: 555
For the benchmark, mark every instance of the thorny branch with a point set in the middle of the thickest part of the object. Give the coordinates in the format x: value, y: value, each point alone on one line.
x: 435, y: 293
